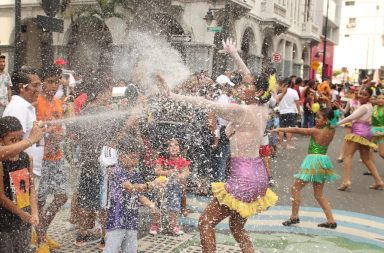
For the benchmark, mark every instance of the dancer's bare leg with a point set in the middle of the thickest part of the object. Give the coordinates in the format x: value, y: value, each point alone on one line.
x: 367, y: 160
x: 323, y: 202
x: 213, y: 214
x: 350, y: 149
x: 297, y: 186
x: 348, y: 130
x: 236, y: 225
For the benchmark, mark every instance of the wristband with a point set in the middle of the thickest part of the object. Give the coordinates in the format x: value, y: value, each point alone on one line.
x: 30, y: 142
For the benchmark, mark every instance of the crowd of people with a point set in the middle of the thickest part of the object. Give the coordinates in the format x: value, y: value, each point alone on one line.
x: 61, y: 130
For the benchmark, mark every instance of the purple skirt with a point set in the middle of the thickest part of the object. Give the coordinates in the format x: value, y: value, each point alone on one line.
x: 362, y: 129
x: 248, y: 179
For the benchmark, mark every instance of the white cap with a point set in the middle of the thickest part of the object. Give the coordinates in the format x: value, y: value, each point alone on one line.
x: 223, y: 79
x: 108, y: 156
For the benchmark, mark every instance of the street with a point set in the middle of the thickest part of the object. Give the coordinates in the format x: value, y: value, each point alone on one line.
x: 359, y: 214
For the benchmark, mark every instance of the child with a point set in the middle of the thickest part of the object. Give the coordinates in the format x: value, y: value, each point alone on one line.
x: 126, y: 187
x: 307, y: 108
x: 316, y: 167
x: 53, y: 173
x: 176, y: 168
x: 18, y: 203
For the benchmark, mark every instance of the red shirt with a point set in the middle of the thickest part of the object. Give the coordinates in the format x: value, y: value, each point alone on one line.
x: 178, y: 164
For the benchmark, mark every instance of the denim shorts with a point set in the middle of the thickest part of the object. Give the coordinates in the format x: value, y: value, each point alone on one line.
x: 121, y: 240
x: 54, y: 179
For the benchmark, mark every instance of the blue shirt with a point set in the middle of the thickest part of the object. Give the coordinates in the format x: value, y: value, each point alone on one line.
x: 123, y: 206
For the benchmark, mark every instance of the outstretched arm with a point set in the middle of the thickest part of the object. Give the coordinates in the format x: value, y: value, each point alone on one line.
x: 359, y: 112
x: 297, y: 130
x: 229, y: 46
x: 230, y: 112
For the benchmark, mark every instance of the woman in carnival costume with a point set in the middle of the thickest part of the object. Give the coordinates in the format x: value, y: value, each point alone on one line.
x: 316, y: 167
x: 360, y: 139
x: 377, y: 127
x: 246, y: 191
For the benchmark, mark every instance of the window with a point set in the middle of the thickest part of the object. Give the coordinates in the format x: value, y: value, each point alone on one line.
x: 349, y: 3
x: 351, y: 23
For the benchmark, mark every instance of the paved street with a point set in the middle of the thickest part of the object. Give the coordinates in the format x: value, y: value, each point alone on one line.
x: 359, y: 214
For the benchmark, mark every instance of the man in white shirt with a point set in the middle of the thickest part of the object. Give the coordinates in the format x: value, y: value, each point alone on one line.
x: 26, y: 89
x: 5, y: 86
x: 289, y: 107
x: 222, y: 152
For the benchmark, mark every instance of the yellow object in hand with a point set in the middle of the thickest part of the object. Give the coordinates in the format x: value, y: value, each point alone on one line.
x: 315, y: 107
x: 162, y: 179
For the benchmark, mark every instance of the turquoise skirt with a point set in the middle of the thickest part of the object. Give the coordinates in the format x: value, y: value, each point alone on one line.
x: 316, y: 168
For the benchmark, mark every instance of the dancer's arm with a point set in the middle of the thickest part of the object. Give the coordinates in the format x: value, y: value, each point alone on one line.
x: 296, y: 130
x: 230, y: 112
x: 359, y: 112
x: 230, y: 47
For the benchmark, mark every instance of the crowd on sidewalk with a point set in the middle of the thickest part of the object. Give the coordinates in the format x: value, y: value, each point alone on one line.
x: 66, y: 133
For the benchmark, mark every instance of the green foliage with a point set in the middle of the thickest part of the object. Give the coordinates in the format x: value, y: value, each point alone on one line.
x: 336, y: 72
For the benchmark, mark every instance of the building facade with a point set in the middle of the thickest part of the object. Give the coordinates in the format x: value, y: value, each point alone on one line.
x: 330, y: 27
x: 261, y: 29
x: 361, y: 44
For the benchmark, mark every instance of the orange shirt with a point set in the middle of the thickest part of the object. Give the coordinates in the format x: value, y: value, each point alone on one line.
x: 50, y: 110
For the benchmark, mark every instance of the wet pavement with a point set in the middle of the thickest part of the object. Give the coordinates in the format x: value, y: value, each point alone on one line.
x: 359, y: 214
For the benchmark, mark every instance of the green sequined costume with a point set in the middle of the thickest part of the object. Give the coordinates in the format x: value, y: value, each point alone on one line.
x: 377, y: 127
x: 316, y: 167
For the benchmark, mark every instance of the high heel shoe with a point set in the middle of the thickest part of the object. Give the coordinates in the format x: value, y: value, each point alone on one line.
x: 291, y: 221
x: 327, y: 225
x: 379, y: 187
x: 344, y: 187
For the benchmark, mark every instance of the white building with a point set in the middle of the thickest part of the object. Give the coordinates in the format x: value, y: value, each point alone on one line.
x: 361, y: 44
x: 260, y: 28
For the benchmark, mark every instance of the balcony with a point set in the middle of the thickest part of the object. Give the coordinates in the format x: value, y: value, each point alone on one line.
x: 310, y: 31
x: 274, y: 16
x: 249, y: 4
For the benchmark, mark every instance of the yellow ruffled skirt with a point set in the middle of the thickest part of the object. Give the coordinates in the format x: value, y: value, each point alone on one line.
x: 361, y: 140
x: 245, y: 209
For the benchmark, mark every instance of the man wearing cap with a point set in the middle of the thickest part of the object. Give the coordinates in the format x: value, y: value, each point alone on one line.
x: 67, y: 79
x: 5, y: 86
x: 222, y: 152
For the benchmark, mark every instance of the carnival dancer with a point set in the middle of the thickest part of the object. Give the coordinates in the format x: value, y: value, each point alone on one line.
x: 316, y: 167
x: 360, y: 139
x: 377, y: 127
x: 246, y: 191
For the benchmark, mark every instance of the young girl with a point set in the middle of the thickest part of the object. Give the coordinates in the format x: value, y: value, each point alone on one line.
x: 309, y: 99
x: 176, y: 169
x: 360, y: 139
x: 316, y: 167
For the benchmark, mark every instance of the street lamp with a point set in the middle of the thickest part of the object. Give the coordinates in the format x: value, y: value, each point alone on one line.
x: 17, y: 62
x: 325, y: 43
x: 220, y: 62
x: 209, y: 16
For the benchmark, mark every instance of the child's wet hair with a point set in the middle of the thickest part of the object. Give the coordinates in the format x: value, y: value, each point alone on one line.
x: 129, y: 144
x: 327, y: 113
x: 9, y: 124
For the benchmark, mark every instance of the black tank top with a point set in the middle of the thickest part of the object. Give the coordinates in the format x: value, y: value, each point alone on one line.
x: 17, y: 188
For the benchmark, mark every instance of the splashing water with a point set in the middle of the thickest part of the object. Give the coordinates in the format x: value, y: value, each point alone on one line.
x: 147, y: 55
